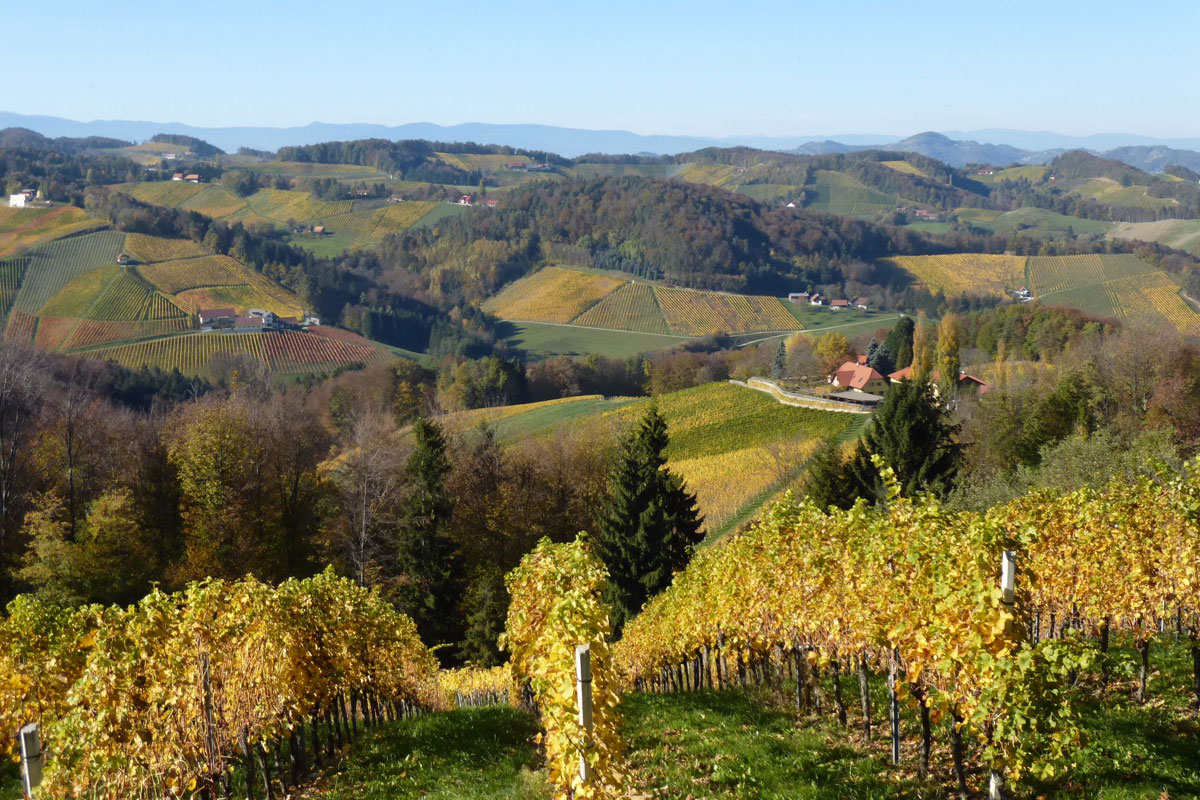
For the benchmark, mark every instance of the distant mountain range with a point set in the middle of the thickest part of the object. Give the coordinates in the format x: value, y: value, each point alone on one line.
x: 998, y: 147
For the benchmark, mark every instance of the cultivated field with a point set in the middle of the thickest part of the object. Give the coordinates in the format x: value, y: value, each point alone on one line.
x: 149, y: 249
x: 54, y: 265
x: 633, y: 307
x: 716, y: 430
x: 12, y: 271
x: 695, y: 313
x: 173, y: 277
x: 552, y: 294
x: 905, y: 167
x: 26, y: 227
x: 1120, y: 286
x: 281, y: 351
x: 1183, y: 234
x: 1106, y: 190
x: 560, y: 295
x: 90, y: 333
x: 965, y: 273
x: 839, y: 193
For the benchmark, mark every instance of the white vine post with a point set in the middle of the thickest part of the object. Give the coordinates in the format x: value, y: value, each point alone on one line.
x: 1008, y: 596
x: 583, y: 698
x: 31, y: 757
x: 1008, y: 578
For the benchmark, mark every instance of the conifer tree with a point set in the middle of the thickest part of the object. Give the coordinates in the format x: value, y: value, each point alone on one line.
x: 914, y: 434
x: 826, y: 484
x: 649, y: 527
x: 780, y: 362
x: 429, y: 585
x: 899, y: 343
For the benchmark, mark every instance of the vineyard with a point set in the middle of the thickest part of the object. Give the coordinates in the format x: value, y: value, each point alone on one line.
x: 148, y: 249
x: 716, y: 430
x: 90, y: 333
x: 20, y: 328
x: 12, y: 272
x: 839, y: 193
x: 633, y: 307
x: 54, y: 265
x: 172, y: 277
x: 694, y: 313
x: 215, y: 201
x: 914, y: 591
x: 164, y: 193
x: 1120, y: 286
x: 965, y: 273
x: 166, y: 697
x: 905, y: 167
x: 566, y: 296
x: 126, y: 296
x: 51, y: 331
x: 281, y: 351
x: 25, y: 227
x: 552, y: 294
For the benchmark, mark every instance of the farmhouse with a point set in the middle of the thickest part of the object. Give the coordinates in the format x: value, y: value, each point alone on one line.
x: 248, y: 323
x: 217, y: 317
x: 465, y: 200
x: 816, y: 300
x: 926, y: 214
x: 124, y: 258
x: 193, y: 178
x: 859, y: 377
x: 178, y: 176
x: 838, y: 305
x: 966, y: 382
x: 798, y: 297
x: 16, y: 200
x: 862, y: 304
x: 488, y: 202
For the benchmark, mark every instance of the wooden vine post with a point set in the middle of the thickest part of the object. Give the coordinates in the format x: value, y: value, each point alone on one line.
x: 1008, y: 597
x: 31, y: 757
x: 583, y: 698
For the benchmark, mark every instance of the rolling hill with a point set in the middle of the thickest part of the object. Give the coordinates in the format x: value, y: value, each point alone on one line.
x: 72, y: 296
x: 599, y: 300
x: 348, y: 224
x: 716, y: 430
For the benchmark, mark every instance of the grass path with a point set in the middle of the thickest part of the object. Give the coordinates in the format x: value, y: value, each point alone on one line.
x: 468, y: 754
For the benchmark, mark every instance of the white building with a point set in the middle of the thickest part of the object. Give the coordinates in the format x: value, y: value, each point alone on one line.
x: 16, y: 200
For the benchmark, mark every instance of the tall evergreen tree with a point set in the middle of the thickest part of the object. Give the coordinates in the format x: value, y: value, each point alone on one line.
x: 648, y: 529
x: 825, y: 483
x: 880, y: 359
x: 430, y: 580
x: 914, y: 434
x: 780, y: 361
x: 899, y: 343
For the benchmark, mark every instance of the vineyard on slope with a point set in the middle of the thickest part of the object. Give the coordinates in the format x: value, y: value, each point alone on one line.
x: 557, y: 604
x: 914, y: 591
x: 166, y: 696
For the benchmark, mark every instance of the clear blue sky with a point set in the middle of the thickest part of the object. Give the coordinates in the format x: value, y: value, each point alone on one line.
x: 703, y: 68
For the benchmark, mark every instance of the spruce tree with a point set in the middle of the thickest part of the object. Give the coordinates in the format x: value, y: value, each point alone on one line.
x: 915, y: 435
x: 649, y: 527
x: 429, y: 585
x: 825, y: 483
x: 899, y: 343
x: 780, y: 362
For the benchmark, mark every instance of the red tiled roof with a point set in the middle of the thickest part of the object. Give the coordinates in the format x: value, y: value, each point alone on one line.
x: 855, y: 375
x: 840, y: 303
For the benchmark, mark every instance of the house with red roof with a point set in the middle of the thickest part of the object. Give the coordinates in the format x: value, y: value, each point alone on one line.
x: 859, y: 377
x: 965, y: 382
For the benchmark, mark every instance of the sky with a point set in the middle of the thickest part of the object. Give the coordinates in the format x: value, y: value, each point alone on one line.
x: 699, y: 68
